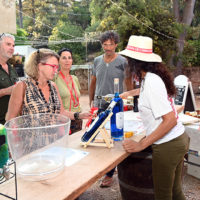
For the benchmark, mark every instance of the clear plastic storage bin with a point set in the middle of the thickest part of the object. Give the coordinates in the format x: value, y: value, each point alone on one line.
x: 38, y: 144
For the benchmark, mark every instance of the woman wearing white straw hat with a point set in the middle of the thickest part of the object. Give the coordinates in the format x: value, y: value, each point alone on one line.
x: 164, y: 131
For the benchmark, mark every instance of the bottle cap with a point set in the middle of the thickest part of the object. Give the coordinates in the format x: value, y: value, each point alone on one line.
x: 128, y: 134
x: 116, y: 80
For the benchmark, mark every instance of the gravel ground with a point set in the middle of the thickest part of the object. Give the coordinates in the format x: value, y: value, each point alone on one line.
x: 191, y: 188
x: 191, y: 185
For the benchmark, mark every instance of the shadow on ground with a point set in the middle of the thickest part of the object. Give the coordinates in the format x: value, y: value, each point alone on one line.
x: 191, y: 188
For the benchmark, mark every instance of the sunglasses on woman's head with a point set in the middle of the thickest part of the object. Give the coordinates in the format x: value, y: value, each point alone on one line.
x: 1, y: 35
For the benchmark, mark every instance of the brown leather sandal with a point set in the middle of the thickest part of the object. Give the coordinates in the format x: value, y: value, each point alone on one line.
x: 106, y: 182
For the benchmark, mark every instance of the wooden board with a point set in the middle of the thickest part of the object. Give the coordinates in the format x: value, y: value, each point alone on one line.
x: 75, y: 179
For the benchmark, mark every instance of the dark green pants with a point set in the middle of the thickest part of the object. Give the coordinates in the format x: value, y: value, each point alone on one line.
x: 167, y: 167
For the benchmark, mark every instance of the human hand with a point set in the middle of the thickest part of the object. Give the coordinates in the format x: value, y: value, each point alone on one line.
x: 124, y: 95
x: 93, y: 112
x: 85, y: 115
x: 91, y: 104
x: 131, y: 146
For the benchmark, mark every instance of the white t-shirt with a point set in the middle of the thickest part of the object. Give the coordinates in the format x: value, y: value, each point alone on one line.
x: 153, y: 104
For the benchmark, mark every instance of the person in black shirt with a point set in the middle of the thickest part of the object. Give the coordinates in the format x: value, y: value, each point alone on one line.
x: 19, y: 68
x: 8, y: 75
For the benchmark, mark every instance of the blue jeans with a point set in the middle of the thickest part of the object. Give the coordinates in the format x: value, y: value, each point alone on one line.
x: 110, y: 173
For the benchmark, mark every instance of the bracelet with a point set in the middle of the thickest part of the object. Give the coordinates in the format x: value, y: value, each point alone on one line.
x: 76, y: 115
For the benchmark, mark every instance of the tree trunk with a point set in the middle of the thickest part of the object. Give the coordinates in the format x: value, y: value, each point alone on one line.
x: 33, y: 11
x: 176, y: 10
x: 20, y: 14
x: 180, y: 47
x: 187, y: 17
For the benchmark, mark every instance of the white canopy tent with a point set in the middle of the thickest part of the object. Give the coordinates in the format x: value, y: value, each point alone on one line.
x: 24, y: 50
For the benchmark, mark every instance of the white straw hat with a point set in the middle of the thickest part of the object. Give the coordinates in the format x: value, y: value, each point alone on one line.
x: 141, y: 48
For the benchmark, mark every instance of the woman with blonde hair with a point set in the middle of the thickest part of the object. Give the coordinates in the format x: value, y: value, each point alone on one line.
x: 37, y: 93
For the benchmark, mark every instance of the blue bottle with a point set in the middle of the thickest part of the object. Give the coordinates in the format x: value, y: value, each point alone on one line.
x: 117, y: 119
x: 97, y: 122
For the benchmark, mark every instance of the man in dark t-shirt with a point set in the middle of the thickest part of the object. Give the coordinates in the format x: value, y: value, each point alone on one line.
x: 8, y: 75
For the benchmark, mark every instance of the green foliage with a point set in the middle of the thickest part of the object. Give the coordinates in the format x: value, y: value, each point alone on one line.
x: 139, y: 17
x: 191, y: 53
x: 80, y: 15
x: 142, y: 17
x: 196, y: 20
x: 51, y: 20
x: 97, y: 8
x: 21, y: 36
x: 67, y: 20
x: 40, y: 17
x: 66, y: 32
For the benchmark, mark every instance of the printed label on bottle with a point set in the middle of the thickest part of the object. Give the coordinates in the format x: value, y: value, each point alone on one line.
x: 93, y: 123
x: 120, y: 120
x: 112, y: 104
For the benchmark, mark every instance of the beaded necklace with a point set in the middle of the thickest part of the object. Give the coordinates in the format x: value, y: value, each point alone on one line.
x: 51, y: 95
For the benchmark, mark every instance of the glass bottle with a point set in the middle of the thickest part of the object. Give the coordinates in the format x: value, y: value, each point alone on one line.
x: 135, y: 104
x: 97, y: 122
x: 117, y: 119
x: 135, y: 100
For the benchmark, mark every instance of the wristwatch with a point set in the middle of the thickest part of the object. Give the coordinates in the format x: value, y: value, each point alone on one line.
x: 76, y: 115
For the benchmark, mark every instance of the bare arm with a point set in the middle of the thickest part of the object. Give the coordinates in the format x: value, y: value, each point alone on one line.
x: 179, y: 108
x: 128, y: 83
x: 70, y: 114
x: 63, y: 111
x: 16, y: 101
x: 6, y: 91
x: 92, y: 89
x: 169, y: 121
x: 134, y: 92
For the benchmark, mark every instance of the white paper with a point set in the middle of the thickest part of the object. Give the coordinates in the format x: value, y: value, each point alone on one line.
x: 74, y: 155
x: 134, y: 125
x: 120, y: 120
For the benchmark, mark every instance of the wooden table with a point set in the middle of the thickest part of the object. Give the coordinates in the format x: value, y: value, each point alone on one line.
x: 75, y: 179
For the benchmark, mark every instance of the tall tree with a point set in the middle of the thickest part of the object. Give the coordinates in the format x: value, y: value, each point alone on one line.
x: 183, y: 14
x: 42, y: 16
x: 20, y: 14
x: 68, y: 35
x: 138, y: 17
x: 79, y: 14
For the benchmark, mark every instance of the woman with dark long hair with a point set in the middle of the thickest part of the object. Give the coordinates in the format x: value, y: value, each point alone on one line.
x: 164, y: 132
x: 69, y: 88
